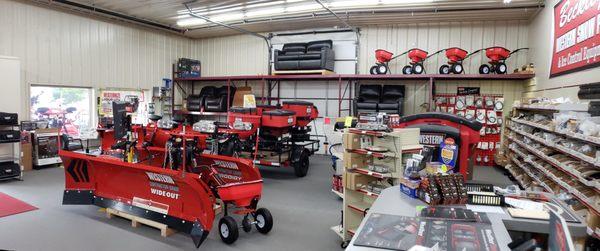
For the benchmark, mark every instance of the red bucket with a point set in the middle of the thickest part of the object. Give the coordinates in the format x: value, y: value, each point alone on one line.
x: 497, y: 53
x: 383, y: 56
x: 417, y: 55
x: 455, y: 54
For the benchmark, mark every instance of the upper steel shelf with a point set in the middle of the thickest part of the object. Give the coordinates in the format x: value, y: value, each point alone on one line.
x: 366, y: 77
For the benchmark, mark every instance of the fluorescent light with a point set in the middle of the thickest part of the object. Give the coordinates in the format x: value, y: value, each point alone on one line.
x: 507, y: 1
x: 190, y: 22
x: 341, y: 4
x: 303, y: 7
x: 264, y: 12
x: 404, y: 1
x: 228, y: 17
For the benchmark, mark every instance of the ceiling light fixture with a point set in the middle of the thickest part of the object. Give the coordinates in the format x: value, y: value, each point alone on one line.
x: 190, y: 22
x: 507, y: 1
x: 264, y: 12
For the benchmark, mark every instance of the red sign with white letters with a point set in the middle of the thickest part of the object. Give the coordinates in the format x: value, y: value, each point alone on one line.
x: 576, y: 36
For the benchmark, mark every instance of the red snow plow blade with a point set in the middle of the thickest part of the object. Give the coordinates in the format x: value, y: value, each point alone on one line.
x: 182, y: 197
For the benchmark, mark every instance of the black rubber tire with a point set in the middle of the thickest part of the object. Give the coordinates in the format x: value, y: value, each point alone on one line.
x: 407, y: 70
x: 418, y: 68
x: 381, y: 69
x: 484, y: 69
x: 232, y: 233
x: 265, y: 224
x: 457, y: 68
x: 373, y: 70
x: 301, y: 166
x: 501, y: 68
x: 444, y: 69
x: 246, y: 224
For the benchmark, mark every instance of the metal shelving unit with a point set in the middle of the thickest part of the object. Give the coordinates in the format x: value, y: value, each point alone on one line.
x: 347, y: 83
x: 560, y: 175
x: 10, y: 163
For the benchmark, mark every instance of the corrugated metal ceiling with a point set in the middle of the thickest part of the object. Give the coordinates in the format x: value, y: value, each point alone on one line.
x: 168, y: 12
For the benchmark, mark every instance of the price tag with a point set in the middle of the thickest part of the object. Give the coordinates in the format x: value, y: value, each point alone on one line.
x: 348, y: 121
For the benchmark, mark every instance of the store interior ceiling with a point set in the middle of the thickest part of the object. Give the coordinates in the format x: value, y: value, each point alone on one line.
x: 271, y: 16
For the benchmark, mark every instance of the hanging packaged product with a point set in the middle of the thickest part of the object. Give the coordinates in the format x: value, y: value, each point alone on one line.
x: 448, y: 152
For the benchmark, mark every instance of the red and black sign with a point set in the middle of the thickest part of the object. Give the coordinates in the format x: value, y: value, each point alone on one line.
x: 576, y: 36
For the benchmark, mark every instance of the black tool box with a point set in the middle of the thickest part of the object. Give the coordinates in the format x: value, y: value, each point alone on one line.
x: 8, y: 118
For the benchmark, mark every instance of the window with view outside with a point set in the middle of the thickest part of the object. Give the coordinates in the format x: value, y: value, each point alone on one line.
x: 68, y: 108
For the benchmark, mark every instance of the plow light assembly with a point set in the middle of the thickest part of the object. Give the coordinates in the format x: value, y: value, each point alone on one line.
x: 205, y: 126
x: 242, y: 126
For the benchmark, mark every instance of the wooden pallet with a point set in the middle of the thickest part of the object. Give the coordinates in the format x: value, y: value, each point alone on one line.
x: 165, y: 231
x: 303, y: 72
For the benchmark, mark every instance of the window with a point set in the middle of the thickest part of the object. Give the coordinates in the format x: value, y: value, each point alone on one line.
x: 68, y: 108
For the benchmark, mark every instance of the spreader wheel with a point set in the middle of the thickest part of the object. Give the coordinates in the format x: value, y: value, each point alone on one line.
x: 382, y: 69
x: 373, y: 70
x: 484, y: 69
x: 501, y: 68
x: 264, y: 220
x: 457, y: 68
x: 246, y: 224
x: 228, y: 229
x: 418, y: 68
x: 444, y: 69
x: 301, y: 165
x: 407, y: 70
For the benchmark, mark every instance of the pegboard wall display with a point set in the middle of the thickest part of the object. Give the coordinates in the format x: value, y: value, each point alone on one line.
x: 485, y: 108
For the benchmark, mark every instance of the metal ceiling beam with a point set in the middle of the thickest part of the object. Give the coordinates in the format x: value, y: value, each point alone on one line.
x: 333, y: 13
x: 191, y: 13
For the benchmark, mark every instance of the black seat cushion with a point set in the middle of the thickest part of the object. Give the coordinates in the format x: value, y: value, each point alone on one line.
x: 294, y: 48
x: 392, y: 93
x: 318, y: 45
x: 369, y: 94
x: 366, y: 106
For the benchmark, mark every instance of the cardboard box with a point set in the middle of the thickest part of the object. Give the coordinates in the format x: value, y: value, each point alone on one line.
x: 353, y: 180
x: 238, y: 97
x: 435, y: 167
x: 354, y: 160
x: 27, y: 156
x: 351, y: 141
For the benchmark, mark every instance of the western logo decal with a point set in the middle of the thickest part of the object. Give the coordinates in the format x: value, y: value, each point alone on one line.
x: 78, y: 170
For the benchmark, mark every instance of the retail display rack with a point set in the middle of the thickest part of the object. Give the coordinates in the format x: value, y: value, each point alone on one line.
x: 536, y: 159
x: 373, y: 161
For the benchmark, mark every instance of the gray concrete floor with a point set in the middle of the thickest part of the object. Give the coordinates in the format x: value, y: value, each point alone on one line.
x: 303, y: 210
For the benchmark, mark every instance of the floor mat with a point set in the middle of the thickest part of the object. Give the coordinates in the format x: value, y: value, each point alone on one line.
x: 10, y: 206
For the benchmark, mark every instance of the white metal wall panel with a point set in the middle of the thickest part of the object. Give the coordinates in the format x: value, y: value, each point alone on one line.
x: 61, y: 48
x: 231, y: 55
x: 435, y: 36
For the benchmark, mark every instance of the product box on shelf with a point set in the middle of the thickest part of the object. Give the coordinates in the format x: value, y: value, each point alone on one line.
x: 353, y: 180
x: 354, y: 160
x: 351, y: 141
x: 409, y: 187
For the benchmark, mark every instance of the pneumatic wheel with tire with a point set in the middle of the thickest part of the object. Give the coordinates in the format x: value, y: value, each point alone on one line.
x: 228, y: 229
x: 381, y: 69
x: 456, y: 68
x: 407, y: 70
x: 501, y: 68
x: 444, y: 69
x: 484, y: 69
x: 373, y: 70
x: 418, y: 68
x: 301, y: 166
x: 264, y: 220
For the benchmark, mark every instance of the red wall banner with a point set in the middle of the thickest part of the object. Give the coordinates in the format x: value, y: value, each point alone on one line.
x: 576, y: 36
